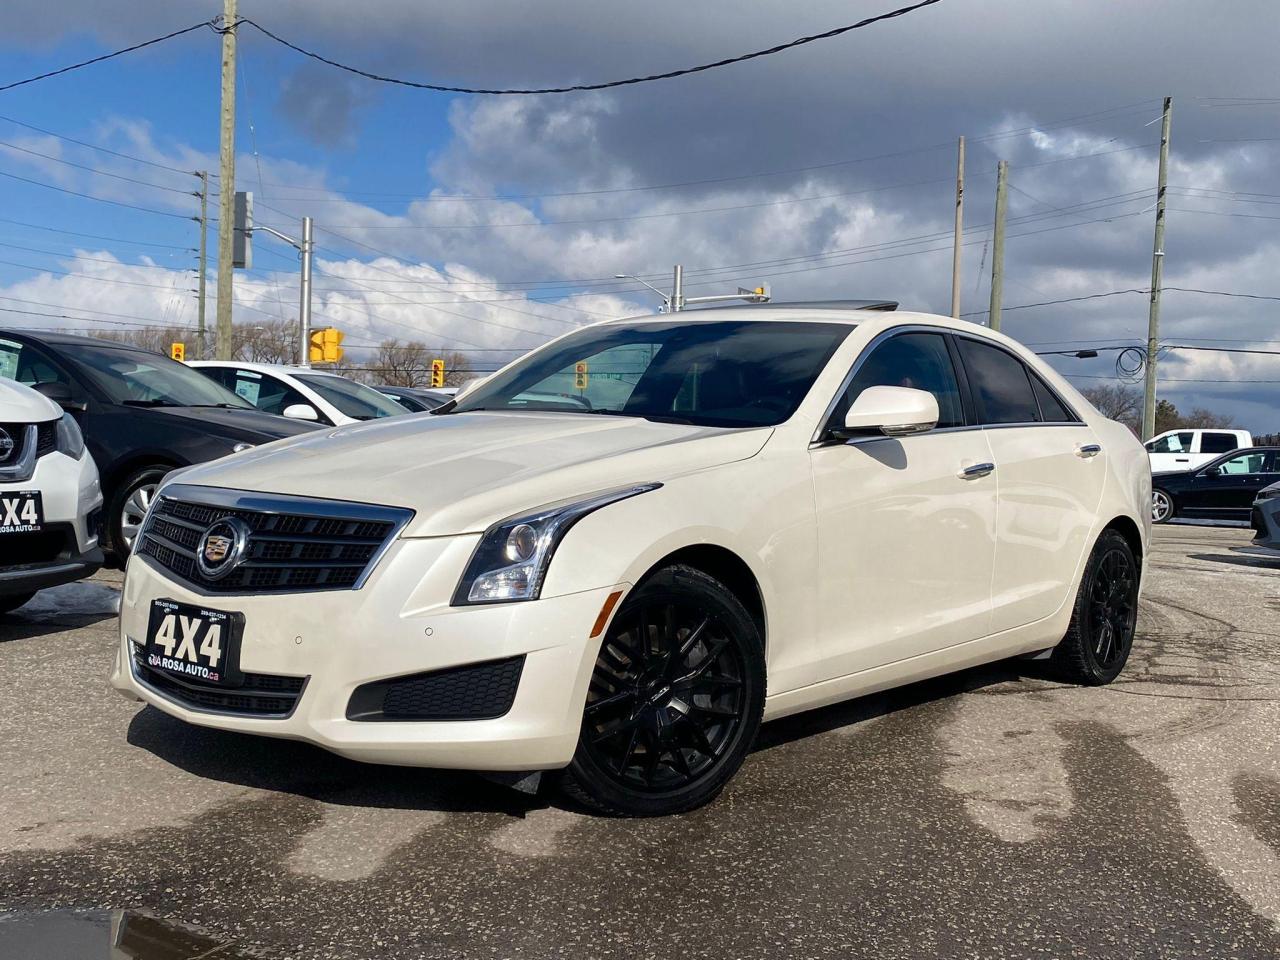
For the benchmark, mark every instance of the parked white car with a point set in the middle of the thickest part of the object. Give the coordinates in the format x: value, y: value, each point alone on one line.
x: 300, y: 393
x: 1188, y: 449
x: 50, y: 499
x: 743, y: 513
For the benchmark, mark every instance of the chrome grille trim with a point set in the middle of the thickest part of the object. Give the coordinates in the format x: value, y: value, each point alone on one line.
x: 297, y: 544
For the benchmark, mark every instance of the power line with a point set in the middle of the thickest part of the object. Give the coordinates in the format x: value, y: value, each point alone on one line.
x: 107, y: 56
x: 800, y: 41
x: 113, y: 260
x: 97, y: 170
x: 88, y: 276
x: 89, y: 196
x: 94, y: 146
x: 96, y: 236
x: 1046, y: 303
x: 1223, y: 293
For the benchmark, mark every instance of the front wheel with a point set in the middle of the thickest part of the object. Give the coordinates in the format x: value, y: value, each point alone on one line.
x: 1105, y: 615
x: 1161, y: 507
x: 675, y: 699
x: 129, y: 507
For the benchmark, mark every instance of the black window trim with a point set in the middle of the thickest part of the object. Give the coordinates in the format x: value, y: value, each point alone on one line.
x: 822, y: 436
x: 1027, y: 371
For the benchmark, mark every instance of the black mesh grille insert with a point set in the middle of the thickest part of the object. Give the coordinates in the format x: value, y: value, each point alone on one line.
x: 259, y: 695
x: 478, y: 691
x: 46, y: 437
x: 286, y: 551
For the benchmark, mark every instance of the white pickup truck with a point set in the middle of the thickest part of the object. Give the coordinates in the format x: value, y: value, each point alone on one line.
x: 1187, y: 449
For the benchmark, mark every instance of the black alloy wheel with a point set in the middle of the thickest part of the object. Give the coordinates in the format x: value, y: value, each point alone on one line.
x: 1105, y: 616
x: 674, y: 702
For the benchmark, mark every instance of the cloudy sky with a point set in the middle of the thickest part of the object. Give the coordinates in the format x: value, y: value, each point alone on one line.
x: 487, y: 223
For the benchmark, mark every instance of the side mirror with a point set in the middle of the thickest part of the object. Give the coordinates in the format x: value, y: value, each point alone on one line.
x: 301, y: 411
x: 60, y: 394
x: 892, y: 411
x: 1212, y: 472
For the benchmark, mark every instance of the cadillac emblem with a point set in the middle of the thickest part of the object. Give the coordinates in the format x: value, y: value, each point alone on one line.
x: 222, y: 547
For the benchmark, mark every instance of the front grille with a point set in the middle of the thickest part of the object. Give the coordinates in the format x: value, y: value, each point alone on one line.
x: 294, y: 544
x: 478, y: 691
x: 46, y: 437
x: 259, y: 694
x: 18, y: 435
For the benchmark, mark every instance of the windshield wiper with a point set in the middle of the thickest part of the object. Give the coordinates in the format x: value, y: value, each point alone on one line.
x: 154, y: 402
x: 221, y: 406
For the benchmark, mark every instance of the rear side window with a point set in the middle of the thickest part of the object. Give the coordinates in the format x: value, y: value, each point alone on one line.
x: 1000, y: 384
x: 1217, y: 442
x: 1173, y: 443
x: 918, y: 360
x: 1051, y: 408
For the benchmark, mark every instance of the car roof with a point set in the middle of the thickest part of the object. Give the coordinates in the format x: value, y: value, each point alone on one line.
x: 55, y: 337
x: 284, y: 368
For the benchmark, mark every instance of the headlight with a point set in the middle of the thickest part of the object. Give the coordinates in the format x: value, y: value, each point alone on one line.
x: 512, y: 559
x: 242, y: 447
x: 1268, y: 492
x: 70, y: 439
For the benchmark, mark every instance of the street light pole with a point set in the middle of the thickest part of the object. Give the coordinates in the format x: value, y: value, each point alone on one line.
x: 1157, y: 278
x: 304, y: 294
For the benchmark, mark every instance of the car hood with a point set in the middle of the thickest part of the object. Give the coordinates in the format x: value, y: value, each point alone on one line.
x: 249, y: 425
x: 460, y: 473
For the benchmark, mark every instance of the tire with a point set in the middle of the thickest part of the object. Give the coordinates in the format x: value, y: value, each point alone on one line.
x: 14, y: 600
x: 669, y: 722
x: 1104, y: 617
x: 128, y: 506
x: 1163, y: 508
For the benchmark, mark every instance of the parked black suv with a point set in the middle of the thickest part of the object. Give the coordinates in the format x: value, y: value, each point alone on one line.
x: 141, y: 413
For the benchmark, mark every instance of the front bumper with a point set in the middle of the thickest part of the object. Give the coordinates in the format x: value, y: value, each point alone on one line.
x: 67, y: 549
x: 399, y: 623
x: 1265, y: 518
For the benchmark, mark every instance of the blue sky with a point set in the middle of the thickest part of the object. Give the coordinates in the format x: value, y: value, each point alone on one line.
x: 773, y: 142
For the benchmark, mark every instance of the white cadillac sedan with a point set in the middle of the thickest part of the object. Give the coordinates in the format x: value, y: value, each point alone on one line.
x: 619, y: 555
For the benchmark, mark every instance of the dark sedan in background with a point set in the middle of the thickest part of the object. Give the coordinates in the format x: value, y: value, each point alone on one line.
x: 415, y: 399
x: 142, y: 415
x: 1222, y: 489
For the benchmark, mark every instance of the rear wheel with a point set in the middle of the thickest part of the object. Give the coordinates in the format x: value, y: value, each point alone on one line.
x: 675, y: 699
x: 1161, y: 507
x: 1105, y: 615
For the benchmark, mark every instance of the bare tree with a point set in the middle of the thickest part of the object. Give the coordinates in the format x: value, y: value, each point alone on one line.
x: 1200, y: 417
x: 1116, y: 401
x: 401, y: 363
x: 272, y: 341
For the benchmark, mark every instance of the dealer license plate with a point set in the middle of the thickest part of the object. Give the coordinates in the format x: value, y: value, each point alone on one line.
x: 194, y: 643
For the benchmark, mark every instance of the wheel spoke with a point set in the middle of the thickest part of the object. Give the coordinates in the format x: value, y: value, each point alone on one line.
x: 611, y: 702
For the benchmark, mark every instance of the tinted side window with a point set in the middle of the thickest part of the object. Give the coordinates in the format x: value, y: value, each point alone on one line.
x: 25, y: 364
x: 266, y: 393
x: 1217, y: 442
x: 918, y: 360
x: 1051, y: 408
x: 999, y: 383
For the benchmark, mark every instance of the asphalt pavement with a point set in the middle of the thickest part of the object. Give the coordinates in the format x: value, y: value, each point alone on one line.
x: 991, y: 814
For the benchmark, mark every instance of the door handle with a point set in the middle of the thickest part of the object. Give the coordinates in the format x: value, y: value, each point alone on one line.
x: 1087, y: 450
x: 976, y: 470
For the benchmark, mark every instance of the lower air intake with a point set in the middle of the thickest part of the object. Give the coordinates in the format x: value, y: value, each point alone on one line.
x: 478, y: 691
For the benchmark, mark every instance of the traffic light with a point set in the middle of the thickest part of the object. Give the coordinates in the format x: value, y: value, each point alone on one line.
x: 178, y: 351
x: 580, y: 374
x: 437, y: 372
x: 326, y: 346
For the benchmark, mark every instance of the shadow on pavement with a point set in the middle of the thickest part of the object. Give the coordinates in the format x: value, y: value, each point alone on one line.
x: 71, y: 606
x: 851, y: 712
x: 293, y: 767
x: 1239, y: 560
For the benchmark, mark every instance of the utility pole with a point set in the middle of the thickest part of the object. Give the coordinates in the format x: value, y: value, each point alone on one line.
x: 677, y: 289
x: 304, y: 294
x: 226, y: 179
x: 997, y: 244
x: 204, y: 232
x: 955, y: 253
x: 1157, y: 277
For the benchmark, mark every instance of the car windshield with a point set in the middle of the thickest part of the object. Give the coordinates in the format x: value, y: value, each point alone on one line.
x: 740, y: 373
x: 353, y: 399
x: 143, y: 379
